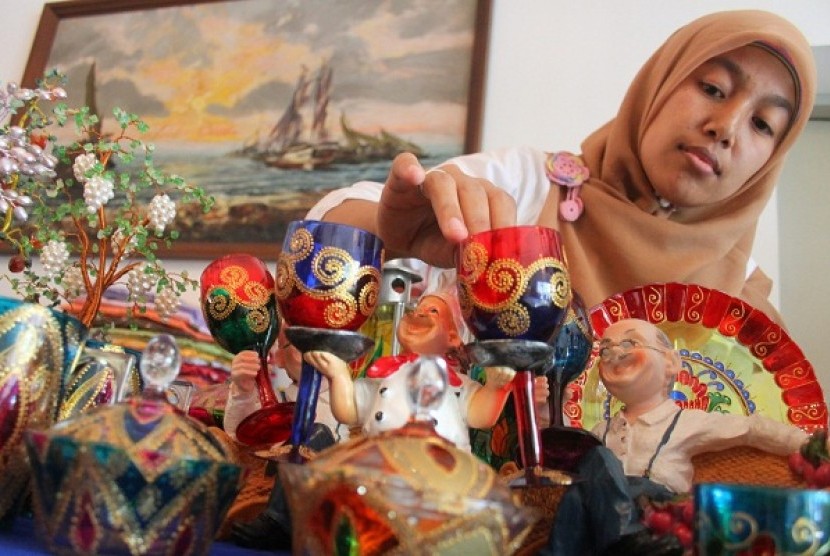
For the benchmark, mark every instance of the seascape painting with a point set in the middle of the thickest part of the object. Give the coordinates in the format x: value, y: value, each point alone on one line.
x: 270, y: 104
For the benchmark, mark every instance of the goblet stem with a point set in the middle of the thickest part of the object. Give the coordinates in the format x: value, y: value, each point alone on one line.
x: 555, y: 400
x: 530, y: 444
x: 267, y: 397
x: 306, y: 408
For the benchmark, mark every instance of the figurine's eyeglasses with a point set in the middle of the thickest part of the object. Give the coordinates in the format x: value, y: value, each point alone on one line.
x: 625, y: 346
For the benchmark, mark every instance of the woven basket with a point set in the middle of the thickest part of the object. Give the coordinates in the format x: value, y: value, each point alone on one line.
x: 744, y: 465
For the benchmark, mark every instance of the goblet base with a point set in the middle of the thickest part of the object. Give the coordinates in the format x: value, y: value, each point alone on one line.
x: 345, y: 344
x: 563, y: 447
x: 287, y: 453
x: 538, y: 476
x: 528, y: 355
x: 267, y: 425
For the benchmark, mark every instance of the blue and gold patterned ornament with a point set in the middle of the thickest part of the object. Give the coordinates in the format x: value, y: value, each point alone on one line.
x: 38, y: 350
x: 132, y: 478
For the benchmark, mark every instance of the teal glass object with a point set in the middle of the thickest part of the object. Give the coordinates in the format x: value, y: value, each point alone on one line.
x: 742, y: 519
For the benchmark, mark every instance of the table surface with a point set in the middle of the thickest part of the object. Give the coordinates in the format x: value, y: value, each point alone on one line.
x: 20, y: 540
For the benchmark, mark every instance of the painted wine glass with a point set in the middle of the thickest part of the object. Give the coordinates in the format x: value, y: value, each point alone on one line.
x: 562, y: 445
x: 514, y: 291
x: 239, y: 305
x: 328, y: 283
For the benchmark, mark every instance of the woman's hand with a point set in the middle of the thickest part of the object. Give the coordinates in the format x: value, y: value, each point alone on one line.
x: 426, y: 214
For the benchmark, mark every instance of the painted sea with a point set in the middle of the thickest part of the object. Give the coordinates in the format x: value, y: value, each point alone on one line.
x: 255, y: 202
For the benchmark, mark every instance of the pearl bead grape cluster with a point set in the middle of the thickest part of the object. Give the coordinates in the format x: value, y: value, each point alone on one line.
x: 139, y: 282
x: 167, y: 302
x: 83, y: 164
x: 98, y: 191
x: 162, y: 212
x: 53, y: 257
x: 73, y: 282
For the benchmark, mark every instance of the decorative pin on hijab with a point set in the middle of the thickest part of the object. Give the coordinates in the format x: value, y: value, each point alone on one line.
x: 568, y: 170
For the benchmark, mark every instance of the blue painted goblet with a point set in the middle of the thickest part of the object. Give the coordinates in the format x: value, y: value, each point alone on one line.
x: 563, y: 446
x: 327, y: 285
x: 514, y: 292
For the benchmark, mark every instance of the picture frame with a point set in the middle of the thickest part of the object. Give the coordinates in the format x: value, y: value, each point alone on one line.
x: 269, y: 104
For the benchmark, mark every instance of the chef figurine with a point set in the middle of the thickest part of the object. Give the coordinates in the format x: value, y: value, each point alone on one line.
x: 379, y: 401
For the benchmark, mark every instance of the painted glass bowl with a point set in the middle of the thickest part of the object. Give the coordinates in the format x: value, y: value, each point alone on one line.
x: 406, y: 491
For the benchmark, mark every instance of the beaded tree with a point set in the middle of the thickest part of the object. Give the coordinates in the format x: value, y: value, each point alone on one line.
x: 82, y: 208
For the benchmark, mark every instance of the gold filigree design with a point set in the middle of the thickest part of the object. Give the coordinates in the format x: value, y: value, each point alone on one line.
x: 807, y: 534
x: 333, y: 266
x: 560, y: 285
x: 514, y: 320
x: 654, y: 301
x: 768, y: 342
x: 258, y: 320
x: 285, y: 277
x: 368, y: 298
x: 300, y: 246
x: 745, y: 525
x: 474, y: 259
x: 694, y: 305
x: 793, y: 374
x: 738, y: 313
x: 340, y: 312
x: 808, y: 414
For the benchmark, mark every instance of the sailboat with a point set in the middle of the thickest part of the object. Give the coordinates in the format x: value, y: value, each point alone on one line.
x: 287, y: 146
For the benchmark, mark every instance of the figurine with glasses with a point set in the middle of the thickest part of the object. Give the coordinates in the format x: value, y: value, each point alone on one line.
x: 647, y: 447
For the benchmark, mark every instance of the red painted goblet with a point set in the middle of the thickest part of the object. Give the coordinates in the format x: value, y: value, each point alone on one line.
x: 514, y: 292
x: 237, y: 298
x: 328, y: 280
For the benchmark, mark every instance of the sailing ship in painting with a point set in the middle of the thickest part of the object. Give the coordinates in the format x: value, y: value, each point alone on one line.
x: 291, y: 145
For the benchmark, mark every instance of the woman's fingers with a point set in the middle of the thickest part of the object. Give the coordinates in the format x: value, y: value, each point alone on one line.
x: 466, y: 205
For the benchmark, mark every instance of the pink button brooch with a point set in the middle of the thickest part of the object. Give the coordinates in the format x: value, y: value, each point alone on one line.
x: 568, y: 170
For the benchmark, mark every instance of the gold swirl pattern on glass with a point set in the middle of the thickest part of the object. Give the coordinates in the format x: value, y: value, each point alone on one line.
x: 509, y: 278
x: 339, y: 275
x: 224, y: 297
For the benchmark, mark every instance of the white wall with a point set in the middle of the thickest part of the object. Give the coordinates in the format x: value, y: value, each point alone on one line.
x: 557, y: 70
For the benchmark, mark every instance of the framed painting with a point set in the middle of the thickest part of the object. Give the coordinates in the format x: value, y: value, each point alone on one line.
x: 270, y: 104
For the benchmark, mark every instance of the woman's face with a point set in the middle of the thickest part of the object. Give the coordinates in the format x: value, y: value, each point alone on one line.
x: 719, y: 127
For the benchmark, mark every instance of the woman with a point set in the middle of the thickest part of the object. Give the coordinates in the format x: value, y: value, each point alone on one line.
x: 677, y: 179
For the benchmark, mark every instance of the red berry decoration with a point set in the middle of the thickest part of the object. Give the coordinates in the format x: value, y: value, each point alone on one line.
x: 763, y: 545
x: 17, y: 263
x: 822, y: 475
x: 684, y: 534
x: 797, y: 462
x: 660, y: 521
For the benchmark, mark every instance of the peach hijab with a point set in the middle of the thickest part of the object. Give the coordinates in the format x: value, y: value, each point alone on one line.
x: 617, y: 244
